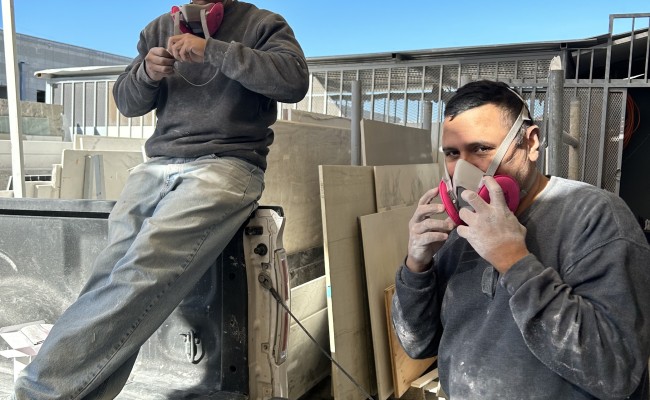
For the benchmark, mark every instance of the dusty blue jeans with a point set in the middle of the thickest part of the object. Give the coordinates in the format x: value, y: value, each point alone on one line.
x: 174, y: 217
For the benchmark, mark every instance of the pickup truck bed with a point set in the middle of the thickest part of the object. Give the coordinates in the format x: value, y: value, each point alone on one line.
x: 46, y: 251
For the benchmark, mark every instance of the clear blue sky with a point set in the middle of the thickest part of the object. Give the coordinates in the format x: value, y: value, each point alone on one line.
x: 342, y: 27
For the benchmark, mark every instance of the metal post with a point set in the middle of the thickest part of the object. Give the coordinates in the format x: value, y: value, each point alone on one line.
x: 574, y: 141
x: 555, y: 114
x: 646, y: 73
x: 464, y: 80
x: 355, y: 121
x: 15, y: 128
x: 21, y: 80
x: 631, y: 55
x: 605, y: 103
x: 427, y: 115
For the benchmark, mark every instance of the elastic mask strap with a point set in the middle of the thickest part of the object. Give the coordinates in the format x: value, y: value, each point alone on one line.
x: 503, y: 148
x: 447, y: 178
x: 177, y: 22
x: 204, y: 24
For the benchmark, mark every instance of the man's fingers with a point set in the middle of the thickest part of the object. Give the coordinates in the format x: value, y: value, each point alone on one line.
x: 467, y: 215
x: 171, y: 42
x: 186, y: 50
x: 186, y: 47
x: 431, y: 225
x: 429, y: 238
x: 164, y: 63
x: 175, y: 45
x: 160, y: 56
x: 161, y: 52
x: 428, y: 196
x: 463, y: 231
x: 474, y: 200
x: 425, y: 211
x: 159, y: 63
x: 159, y: 69
x: 497, y: 198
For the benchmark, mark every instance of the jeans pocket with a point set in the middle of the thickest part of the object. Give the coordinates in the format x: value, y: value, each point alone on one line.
x: 242, y: 164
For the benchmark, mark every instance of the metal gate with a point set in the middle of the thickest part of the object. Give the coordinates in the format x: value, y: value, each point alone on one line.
x: 602, y: 121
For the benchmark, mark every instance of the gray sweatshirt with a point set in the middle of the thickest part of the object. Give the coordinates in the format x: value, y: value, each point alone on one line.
x: 569, y: 321
x: 252, y: 62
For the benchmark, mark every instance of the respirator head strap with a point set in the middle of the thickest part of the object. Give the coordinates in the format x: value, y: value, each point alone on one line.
x: 204, y: 23
x: 507, y: 141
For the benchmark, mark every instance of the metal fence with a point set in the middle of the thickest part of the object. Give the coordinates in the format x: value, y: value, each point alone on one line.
x: 599, y: 77
x: 598, y: 72
x: 399, y: 94
x: 89, y: 109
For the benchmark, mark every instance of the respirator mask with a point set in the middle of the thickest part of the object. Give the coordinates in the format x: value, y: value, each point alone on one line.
x: 467, y: 176
x: 197, y: 19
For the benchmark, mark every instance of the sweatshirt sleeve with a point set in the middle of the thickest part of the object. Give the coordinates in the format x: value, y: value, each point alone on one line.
x: 275, y: 67
x: 589, y: 323
x: 416, y: 312
x: 134, y: 92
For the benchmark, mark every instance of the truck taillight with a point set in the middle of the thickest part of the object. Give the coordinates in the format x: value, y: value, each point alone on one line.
x: 282, y: 334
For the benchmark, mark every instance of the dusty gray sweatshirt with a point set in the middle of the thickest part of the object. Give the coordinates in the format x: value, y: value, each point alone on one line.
x: 569, y: 321
x: 252, y: 62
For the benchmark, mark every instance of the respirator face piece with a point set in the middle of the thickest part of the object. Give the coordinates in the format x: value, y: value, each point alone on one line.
x: 467, y: 176
x: 197, y: 19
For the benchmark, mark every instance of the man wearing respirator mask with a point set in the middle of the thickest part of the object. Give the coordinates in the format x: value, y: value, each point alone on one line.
x: 535, y: 286
x: 214, y: 71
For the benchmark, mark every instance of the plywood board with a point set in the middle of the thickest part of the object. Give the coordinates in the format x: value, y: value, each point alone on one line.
x: 425, y: 379
x: 30, y: 188
x: 438, y: 156
x: 385, y: 240
x: 93, y: 142
x: 405, y: 369
x: 390, y: 144
x: 316, y: 118
x: 116, y: 170
x: 347, y: 193
x: 37, y: 154
x: 308, y: 298
x: 44, y: 191
x: 291, y: 178
x: 403, y: 185
x: 307, y: 364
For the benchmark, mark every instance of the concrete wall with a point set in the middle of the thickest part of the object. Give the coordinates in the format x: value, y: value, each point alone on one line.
x: 36, y: 54
x: 39, y: 119
x: 43, y: 134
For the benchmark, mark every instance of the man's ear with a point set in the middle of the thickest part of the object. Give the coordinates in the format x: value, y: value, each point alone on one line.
x: 532, y: 137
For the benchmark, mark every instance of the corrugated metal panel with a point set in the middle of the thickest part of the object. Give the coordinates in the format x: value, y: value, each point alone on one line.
x: 506, y: 69
x: 592, y: 145
x: 380, y: 93
x: 366, y: 76
x: 613, y: 138
x: 318, y: 92
x: 396, y: 103
x: 333, y: 93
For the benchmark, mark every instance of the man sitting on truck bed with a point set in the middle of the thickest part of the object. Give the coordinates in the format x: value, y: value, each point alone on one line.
x: 215, y: 95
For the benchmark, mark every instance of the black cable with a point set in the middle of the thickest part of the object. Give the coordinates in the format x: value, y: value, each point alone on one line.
x: 277, y: 297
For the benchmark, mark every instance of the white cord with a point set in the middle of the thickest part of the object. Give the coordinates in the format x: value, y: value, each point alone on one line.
x: 178, y: 71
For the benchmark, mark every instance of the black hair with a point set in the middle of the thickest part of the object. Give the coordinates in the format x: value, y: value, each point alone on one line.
x: 476, y: 94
